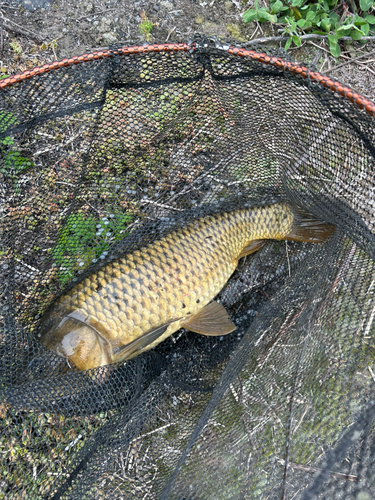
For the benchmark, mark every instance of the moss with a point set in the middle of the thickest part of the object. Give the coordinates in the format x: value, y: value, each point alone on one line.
x: 235, y: 32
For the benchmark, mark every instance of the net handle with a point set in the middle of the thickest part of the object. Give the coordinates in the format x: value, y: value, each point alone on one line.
x: 261, y: 57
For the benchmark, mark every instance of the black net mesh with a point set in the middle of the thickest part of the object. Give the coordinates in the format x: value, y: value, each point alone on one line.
x: 102, y: 157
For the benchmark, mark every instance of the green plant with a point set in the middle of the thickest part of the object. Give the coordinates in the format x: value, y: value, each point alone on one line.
x: 145, y: 26
x: 15, y: 46
x: 12, y: 161
x: 49, y: 45
x: 84, y: 240
x: 333, y: 18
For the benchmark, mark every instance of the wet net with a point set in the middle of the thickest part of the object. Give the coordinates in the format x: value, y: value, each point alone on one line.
x: 103, y: 153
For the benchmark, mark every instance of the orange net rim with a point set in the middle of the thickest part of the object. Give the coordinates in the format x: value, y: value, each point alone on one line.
x: 261, y: 57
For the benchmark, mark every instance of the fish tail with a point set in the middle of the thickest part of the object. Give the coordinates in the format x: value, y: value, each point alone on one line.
x: 306, y: 227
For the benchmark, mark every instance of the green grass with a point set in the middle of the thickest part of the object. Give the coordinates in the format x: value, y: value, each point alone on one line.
x: 12, y: 163
x: 84, y: 240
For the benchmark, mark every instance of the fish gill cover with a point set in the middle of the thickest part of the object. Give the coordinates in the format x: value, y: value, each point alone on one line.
x: 105, y: 153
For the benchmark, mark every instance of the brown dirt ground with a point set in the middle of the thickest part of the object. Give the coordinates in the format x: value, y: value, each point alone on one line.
x: 66, y: 28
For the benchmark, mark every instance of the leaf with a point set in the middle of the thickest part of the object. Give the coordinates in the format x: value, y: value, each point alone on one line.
x: 365, y: 4
x: 343, y: 31
x: 302, y: 23
x: 297, y: 13
x: 326, y: 24
x: 310, y: 16
x: 277, y: 7
x: 288, y: 43
x: 7, y: 141
x: 365, y: 29
x: 264, y: 15
x: 297, y: 3
x: 356, y: 35
x: 21, y: 163
x: 334, y: 46
x: 250, y: 15
x: 16, y: 163
x: 83, y: 239
x: 297, y: 41
x: 332, y: 38
x: 358, y: 21
x: 335, y: 18
x: 370, y: 19
x: 6, y: 119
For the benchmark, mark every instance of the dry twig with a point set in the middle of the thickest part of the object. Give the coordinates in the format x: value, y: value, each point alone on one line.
x: 93, y: 14
x: 16, y: 28
x: 366, y: 54
x: 312, y: 36
x: 307, y: 468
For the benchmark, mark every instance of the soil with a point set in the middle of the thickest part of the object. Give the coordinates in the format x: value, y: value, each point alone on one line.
x: 34, y: 32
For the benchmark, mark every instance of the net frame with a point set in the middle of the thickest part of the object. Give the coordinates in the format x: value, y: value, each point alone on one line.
x: 292, y: 67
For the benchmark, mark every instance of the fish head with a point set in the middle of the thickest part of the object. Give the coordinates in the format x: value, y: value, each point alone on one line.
x: 76, y: 341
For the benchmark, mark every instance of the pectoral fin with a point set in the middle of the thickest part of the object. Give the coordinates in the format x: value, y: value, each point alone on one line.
x: 252, y: 247
x: 128, y: 350
x: 211, y: 320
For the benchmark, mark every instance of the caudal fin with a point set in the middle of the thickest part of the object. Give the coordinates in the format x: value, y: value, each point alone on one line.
x: 306, y: 227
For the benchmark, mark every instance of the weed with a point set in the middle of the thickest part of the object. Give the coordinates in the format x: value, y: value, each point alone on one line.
x: 12, y: 161
x: 3, y: 73
x: 15, y: 46
x: 146, y: 26
x: 324, y: 17
x: 85, y: 240
x: 50, y: 45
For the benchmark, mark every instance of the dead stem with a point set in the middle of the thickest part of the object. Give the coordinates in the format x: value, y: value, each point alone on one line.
x: 274, y: 341
x: 189, y: 188
x: 287, y: 257
x: 350, y: 61
x: 307, y: 468
x: 16, y: 28
x: 371, y: 372
x: 367, y: 331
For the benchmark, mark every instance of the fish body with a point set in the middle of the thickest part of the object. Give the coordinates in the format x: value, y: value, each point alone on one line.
x: 135, y: 302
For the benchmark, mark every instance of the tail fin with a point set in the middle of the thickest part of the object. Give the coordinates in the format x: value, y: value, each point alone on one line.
x: 306, y: 227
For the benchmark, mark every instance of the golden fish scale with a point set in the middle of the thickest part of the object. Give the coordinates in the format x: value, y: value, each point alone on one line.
x: 173, y: 277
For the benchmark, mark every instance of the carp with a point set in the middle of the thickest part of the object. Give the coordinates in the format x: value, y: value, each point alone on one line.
x: 130, y: 305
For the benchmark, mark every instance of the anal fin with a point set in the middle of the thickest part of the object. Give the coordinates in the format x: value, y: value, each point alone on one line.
x: 251, y: 247
x: 211, y: 320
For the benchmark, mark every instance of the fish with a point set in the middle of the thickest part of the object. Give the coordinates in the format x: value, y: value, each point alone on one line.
x: 135, y: 302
